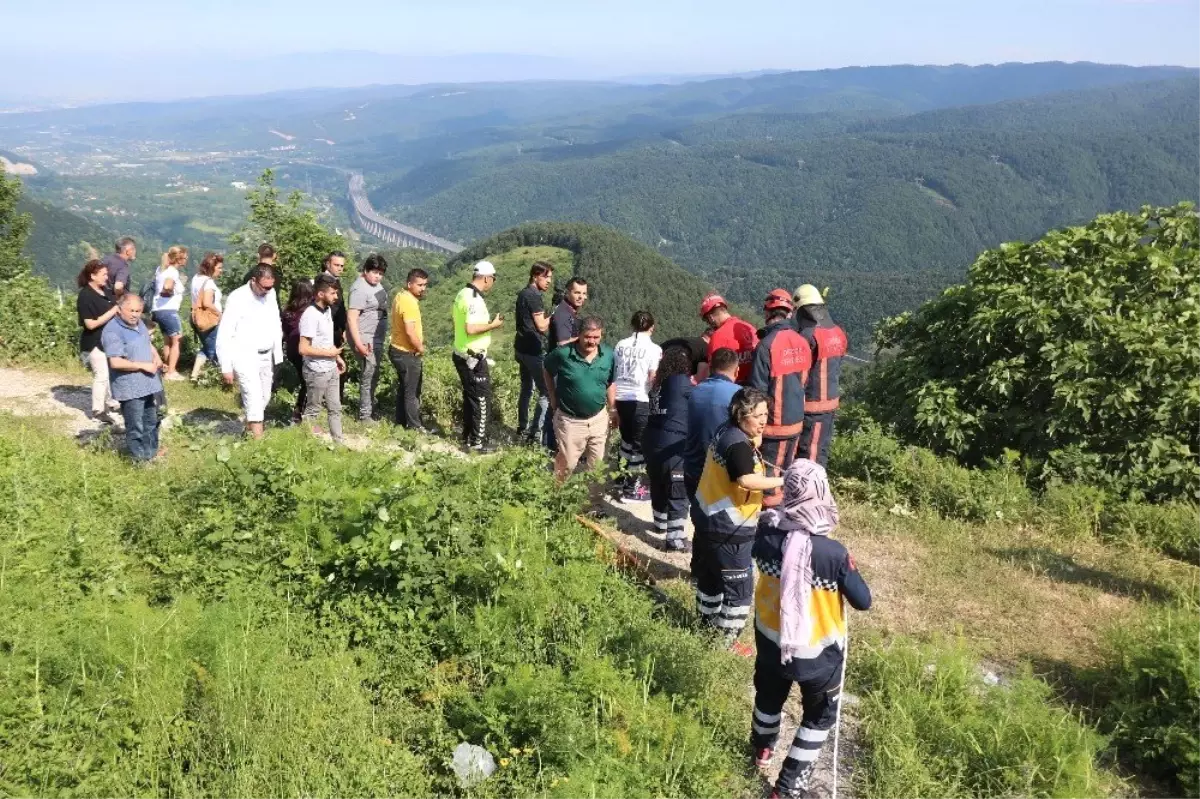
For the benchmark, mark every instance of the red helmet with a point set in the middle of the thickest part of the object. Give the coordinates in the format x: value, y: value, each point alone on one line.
x: 778, y: 298
x: 710, y: 303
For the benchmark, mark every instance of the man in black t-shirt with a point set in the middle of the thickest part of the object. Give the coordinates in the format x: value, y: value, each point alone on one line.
x: 530, y: 347
x: 564, y: 323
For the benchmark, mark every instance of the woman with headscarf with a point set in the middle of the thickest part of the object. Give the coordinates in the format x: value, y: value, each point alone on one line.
x: 799, y: 621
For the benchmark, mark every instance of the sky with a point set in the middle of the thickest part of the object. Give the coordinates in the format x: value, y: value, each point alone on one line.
x: 131, y: 48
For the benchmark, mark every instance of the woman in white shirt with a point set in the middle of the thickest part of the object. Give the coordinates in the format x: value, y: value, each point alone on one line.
x: 206, y: 309
x: 636, y: 360
x: 168, y: 297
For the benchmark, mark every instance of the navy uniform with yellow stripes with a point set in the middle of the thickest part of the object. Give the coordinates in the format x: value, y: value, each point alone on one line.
x: 817, y: 669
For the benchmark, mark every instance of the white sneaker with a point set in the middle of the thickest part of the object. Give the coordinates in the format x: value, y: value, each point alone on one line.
x: 174, y: 376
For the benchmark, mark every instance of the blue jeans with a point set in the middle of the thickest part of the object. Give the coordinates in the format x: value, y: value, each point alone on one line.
x: 168, y: 322
x: 532, y: 377
x: 141, y: 426
x: 208, y: 342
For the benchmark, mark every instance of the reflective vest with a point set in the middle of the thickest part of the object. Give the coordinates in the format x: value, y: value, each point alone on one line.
x: 727, y: 511
x: 781, y: 368
x: 829, y: 343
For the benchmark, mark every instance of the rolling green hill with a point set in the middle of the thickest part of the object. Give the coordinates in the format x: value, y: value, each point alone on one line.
x: 623, y: 276
x: 885, y: 212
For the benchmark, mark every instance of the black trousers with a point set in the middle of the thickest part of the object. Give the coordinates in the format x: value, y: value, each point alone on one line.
x: 819, y: 696
x: 632, y: 417
x: 668, y: 494
x: 409, y: 379
x: 724, y: 574
x: 477, y: 398
x: 302, y: 392
x: 777, y: 454
x: 816, y: 436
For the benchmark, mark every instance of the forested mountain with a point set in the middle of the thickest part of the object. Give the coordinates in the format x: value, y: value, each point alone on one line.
x: 61, y: 241
x: 885, y: 212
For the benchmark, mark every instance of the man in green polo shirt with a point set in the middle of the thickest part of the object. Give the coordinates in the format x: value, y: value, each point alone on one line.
x: 472, y: 336
x: 580, y: 379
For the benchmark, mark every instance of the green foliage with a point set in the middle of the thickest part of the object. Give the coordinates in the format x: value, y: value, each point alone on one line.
x: 1149, y: 693
x: 300, y: 241
x: 331, y: 623
x: 36, y: 324
x: 1081, y: 351
x: 867, y: 464
x: 14, y: 230
x: 933, y: 727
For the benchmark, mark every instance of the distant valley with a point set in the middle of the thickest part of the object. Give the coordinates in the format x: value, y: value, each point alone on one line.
x: 882, y: 183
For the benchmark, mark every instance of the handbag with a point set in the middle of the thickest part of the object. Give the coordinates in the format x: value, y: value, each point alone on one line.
x: 206, y: 318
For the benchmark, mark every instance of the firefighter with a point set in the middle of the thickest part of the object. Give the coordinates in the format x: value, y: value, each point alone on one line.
x: 780, y: 370
x: 829, y: 344
x: 729, y: 331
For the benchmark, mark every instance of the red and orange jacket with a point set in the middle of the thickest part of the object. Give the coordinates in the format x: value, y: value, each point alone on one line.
x: 740, y: 337
x: 781, y: 368
x: 828, y: 343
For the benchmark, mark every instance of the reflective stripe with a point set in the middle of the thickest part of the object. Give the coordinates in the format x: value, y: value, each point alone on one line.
x: 822, y: 406
x: 814, y: 443
x: 660, y: 516
x: 707, y: 611
x: 764, y: 730
x: 811, y: 735
x: 730, y: 624
x: 785, y: 430
x: 768, y: 718
x: 703, y: 597
x: 803, y: 755
x: 737, y: 611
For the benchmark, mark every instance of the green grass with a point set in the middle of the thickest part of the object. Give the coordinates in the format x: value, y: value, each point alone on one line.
x: 277, y: 618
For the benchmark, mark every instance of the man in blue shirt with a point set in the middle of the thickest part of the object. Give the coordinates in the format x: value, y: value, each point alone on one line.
x: 708, y: 409
x: 135, y: 366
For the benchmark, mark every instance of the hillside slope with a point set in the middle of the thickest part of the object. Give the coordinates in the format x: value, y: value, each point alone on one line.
x: 61, y: 241
x: 885, y: 212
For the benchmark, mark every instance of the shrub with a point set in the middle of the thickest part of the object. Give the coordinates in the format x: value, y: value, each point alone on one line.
x: 1172, y: 528
x: 932, y: 727
x: 1080, y: 350
x: 1148, y: 690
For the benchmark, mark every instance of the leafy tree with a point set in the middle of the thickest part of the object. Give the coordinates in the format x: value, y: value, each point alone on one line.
x: 14, y: 230
x: 299, y: 239
x: 35, y: 324
x: 1081, y: 351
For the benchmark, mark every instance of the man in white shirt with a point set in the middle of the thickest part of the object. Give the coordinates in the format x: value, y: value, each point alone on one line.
x: 323, y: 362
x: 250, y: 343
x: 637, y: 360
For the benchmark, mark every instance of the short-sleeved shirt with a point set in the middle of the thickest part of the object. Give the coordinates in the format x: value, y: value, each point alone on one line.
x: 469, y: 307
x: 118, y: 271
x: 201, y: 284
x: 636, y: 357
x: 318, y: 326
x: 581, y: 387
x: 338, y: 312
x: 530, y: 340
x: 371, y: 302
x: 91, y: 304
x: 172, y: 303
x: 405, y: 309
x: 740, y: 337
x: 564, y: 326
x: 119, y: 340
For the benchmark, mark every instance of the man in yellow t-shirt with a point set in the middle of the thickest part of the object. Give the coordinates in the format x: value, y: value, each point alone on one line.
x: 472, y: 337
x: 408, y: 348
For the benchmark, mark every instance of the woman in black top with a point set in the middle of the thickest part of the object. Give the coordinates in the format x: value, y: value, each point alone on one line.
x: 95, y: 306
x: 298, y: 301
x: 663, y: 445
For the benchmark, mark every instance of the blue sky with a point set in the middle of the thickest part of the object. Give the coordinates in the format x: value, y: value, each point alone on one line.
x: 617, y: 37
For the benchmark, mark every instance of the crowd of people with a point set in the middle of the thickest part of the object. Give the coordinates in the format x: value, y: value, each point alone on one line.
x: 730, y: 428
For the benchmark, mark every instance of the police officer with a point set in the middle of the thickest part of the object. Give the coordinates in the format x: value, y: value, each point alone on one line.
x: 472, y: 337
